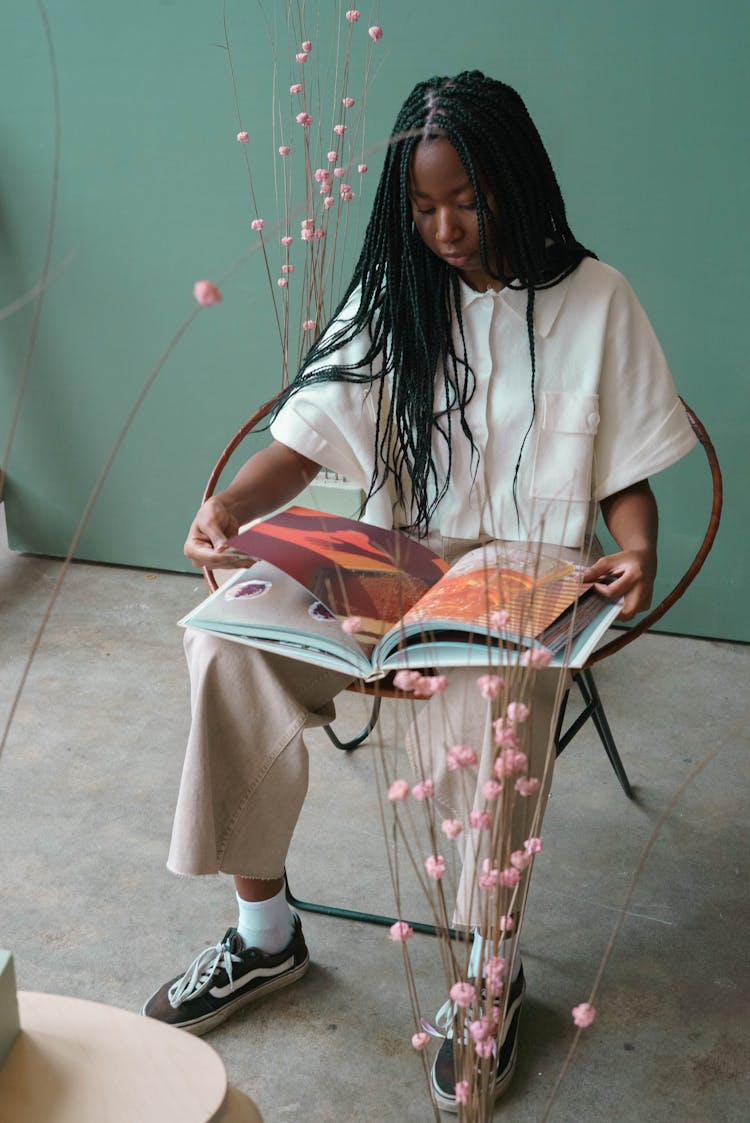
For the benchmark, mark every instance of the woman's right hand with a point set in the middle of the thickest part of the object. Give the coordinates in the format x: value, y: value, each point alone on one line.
x: 206, y: 543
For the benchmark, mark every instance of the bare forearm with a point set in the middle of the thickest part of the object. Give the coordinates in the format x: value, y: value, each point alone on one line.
x: 632, y: 519
x: 268, y: 480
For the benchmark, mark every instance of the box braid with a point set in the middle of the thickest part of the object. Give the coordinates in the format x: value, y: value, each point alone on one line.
x: 409, y: 298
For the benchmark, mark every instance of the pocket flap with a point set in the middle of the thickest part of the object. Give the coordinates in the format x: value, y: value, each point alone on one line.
x: 570, y: 413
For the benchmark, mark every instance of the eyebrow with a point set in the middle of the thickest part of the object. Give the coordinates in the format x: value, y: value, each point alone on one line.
x: 456, y: 191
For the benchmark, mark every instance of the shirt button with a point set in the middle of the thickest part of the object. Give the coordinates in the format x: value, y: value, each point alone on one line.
x: 593, y: 422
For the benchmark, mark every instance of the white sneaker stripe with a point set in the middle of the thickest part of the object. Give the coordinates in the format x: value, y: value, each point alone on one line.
x: 256, y: 973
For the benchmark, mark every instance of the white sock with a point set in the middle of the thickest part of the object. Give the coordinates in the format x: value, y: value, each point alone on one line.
x: 504, y: 951
x: 267, y: 925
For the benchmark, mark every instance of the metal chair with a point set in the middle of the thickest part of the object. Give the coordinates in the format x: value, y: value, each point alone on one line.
x: 593, y: 708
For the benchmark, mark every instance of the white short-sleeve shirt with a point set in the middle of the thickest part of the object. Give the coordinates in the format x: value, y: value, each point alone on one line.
x: 607, y: 414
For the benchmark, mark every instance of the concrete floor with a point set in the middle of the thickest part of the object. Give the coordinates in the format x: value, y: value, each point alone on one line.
x: 87, y: 785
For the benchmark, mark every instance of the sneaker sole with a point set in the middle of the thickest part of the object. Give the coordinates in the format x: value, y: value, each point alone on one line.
x: 199, y: 1026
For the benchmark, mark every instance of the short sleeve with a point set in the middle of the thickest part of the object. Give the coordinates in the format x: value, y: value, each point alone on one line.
x: 643, y: 425
x: 335, y: 423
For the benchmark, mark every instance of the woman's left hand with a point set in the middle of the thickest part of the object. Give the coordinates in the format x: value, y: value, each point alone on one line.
x: 629, y: 574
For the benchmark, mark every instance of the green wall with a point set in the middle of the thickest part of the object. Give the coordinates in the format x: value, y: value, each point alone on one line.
x: 643, y: 109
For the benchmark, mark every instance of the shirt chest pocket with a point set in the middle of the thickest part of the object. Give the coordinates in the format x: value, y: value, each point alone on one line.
x: 564, y: 449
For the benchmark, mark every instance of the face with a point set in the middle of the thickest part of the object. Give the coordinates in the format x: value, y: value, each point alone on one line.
x: 443, y: 205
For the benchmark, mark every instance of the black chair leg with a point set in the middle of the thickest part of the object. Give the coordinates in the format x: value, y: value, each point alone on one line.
x: 591, y: 697
x: 355, y: 742
x: 368, y: 917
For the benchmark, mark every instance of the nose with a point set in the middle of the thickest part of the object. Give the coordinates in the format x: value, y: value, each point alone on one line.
x: 446, y: 228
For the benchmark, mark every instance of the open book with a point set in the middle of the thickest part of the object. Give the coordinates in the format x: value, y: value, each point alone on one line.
x: 401, y: 606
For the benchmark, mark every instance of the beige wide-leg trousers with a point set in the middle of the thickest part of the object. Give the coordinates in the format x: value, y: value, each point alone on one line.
x: 245, y: 774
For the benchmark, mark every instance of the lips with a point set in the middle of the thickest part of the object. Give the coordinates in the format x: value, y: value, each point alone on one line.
x: 458, y: 260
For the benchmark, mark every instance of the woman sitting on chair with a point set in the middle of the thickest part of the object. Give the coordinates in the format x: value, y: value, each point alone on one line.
x: 485, y: 377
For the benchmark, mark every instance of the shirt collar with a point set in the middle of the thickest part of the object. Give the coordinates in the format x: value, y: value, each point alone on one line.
x: 547, y: 302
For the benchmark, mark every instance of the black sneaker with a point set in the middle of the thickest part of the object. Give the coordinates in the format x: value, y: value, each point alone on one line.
x: 223, y: 979
x: 443, y: 1079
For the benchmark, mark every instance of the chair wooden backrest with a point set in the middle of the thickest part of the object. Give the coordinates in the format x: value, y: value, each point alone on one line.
x: 626, y: 636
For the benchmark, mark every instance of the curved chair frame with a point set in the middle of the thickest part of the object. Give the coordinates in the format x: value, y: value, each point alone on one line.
x: 583, y: 678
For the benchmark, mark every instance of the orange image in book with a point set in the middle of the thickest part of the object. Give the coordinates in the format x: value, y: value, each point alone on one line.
x: 471, y: 597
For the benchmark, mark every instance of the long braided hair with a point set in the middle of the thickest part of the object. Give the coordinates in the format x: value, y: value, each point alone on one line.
x: 409, y: 297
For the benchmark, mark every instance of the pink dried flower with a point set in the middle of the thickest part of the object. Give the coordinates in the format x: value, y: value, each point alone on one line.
x: 406, y: 680
x: 301, y: 56
x: 480, y: 820
x: 339, y: 129
x: 347, y: 102
x: 304, y: 119
x: 352, y: 624
x: 375, y: 33
x: 257, y: 224
x: 425, y: 789
x: 307, y: 46
x: 346, y: 194
x: 510, y: 877
x: 481, y: 1029
x: 505, y: 734
x: 490, y: 686
x: 460, y: 756
x: 309, y: 325
x: 499, y: 619
x: 483, y: 1048
x: 319, y: 174
x: 435, y: 866
x: 451, y: 828
x: 428, y: 684
x: 243, y: 137
x: 287, y: 268
x: 462, y: 1092
x: 518, y: 712
x: 206, y: 293
x: 332, y: 157
x: 296, y: 88
x: 489, y: 877
x: 510, y: 761
x: 420, y: 1040
x: 527, y: 787
x: 537, y: 657
x: 352, y: 15
x: 400, y: 932
x: 506, y: 924
x: 287, y: 240
x: 583, y: 1015
x: 463, y: 994
x: 399, y: 789
x: 284, y: 150
x: 338, y: 172
x: 520, y: 859
x: 306, y: 235
x: 282, y: 282
x: 491, y: 790
x: 494, y: 970
x: 533, y: 845
x: 307, y: 223
x: 361, y: 168
x: 328, y: 202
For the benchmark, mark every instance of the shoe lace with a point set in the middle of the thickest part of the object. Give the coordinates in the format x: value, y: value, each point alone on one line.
x: 445, y: 1020
x: 201, y: 971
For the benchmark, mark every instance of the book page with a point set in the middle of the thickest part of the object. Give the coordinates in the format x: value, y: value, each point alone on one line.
x: 532, y: 588
x: 353, y: 568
